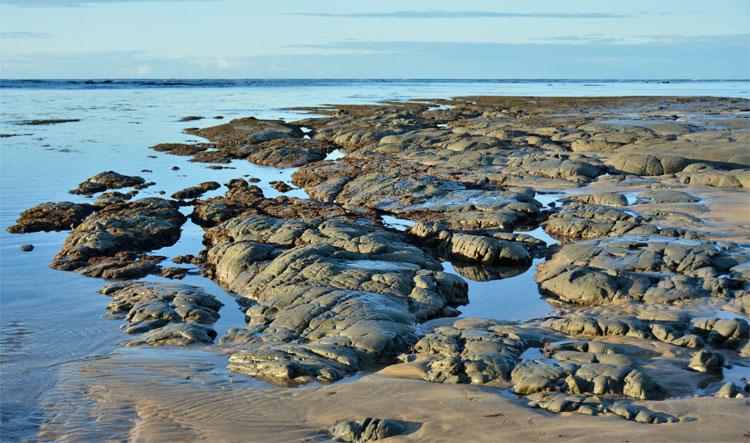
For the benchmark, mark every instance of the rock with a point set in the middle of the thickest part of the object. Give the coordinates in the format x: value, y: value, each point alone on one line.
x: 27, y: 247
x: 51, y: 121
x: 646, y: 269
x: 247, y: 130
x: 181, y: 148
x: 187, y: 258
x: 640, y: 164
x: 106, y: 180
x: 666, y: 196
x: 595, y: 221
x: 485, y: 355
x: 112, y: 238
x: 243, y: 198
x: 729, y: 390
x: 349, y: 285
x: 169, y: 314
x: 109, y: 198
x: 289, y: 363
x: 189, y: 118
x: 477, y: 248
x: 174, y: 272
x: 287, y: 152
x: 708, y: 362
x: 708, y: 176
x: 732, y: 333
x: 393, y: 189
x: 530, y: 377
x: 214, y: 156
x: 366, y: 429
x: 280, y: 186
x: 52, y: 216
x: 606, y: 199
x: 195, y: 191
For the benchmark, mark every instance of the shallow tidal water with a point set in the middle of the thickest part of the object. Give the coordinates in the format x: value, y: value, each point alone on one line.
x: 50, y: 318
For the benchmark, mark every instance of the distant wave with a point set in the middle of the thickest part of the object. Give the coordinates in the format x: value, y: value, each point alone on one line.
x: 270, y: 83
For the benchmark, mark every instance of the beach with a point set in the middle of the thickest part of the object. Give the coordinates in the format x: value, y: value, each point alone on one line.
x: 278, y: 261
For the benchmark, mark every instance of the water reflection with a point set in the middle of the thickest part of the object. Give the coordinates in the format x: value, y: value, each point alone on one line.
x: 513, y: 297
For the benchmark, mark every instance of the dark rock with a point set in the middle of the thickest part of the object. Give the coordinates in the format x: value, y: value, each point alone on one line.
x: 181, y: 148
x: 112, y: 238
x: 280, y: 186
x: 47, y: 121
x: 106, y: 180
x: 169, y: 314
x: 52, y: 216
x: 366, y: 429
x: 195, y: 191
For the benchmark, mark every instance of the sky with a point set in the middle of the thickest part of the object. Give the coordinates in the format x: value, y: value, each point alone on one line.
x: 576, y: 39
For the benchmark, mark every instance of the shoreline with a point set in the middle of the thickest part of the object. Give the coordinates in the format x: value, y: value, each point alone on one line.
x: 646, y: 159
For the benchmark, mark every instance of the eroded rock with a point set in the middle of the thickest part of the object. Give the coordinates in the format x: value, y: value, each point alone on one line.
x: 166, y: 313
x: 106, y: 180
x: 52, y: 216
x: 108, y: 243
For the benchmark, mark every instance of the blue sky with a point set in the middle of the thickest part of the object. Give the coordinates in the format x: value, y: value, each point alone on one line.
x: 383, y: 39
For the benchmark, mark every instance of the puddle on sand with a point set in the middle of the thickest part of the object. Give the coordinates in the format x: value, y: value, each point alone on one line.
x: 512, y: 298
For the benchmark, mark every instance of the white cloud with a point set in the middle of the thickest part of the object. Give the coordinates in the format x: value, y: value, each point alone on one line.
x: 144, y: 70
x: 223, y: 64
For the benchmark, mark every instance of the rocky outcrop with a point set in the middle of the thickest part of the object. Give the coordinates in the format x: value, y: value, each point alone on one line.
x: 640, y: 268
x: 704, y: 175
x: 605, y: 199
x: 501, y: 248
x: 195, y: 191
x: 366, y: 429
x: 287, y: 152
x: 478, y: 356
x: 185, y: 149
x: 52, y: 216
x: 109, y: 243
x: 320, y: 293
x: 666, y: 196
x: 165, y: 313
x: 641, y: 164
x: 243, y: 131
x: 243, y: 198
x: 392, y: 189
x: 586, y: 221
x: 106, y: 180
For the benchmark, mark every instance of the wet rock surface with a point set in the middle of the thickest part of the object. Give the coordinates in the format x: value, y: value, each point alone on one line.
x: 164, y: 313
x: 195, y: 191
x: 413, y: 194
x: 52, y: 216
x: 366, y: 429
x: 646, y: 269
x: 325, y: 298
x: 105, y: 181
x: 111, y: 243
